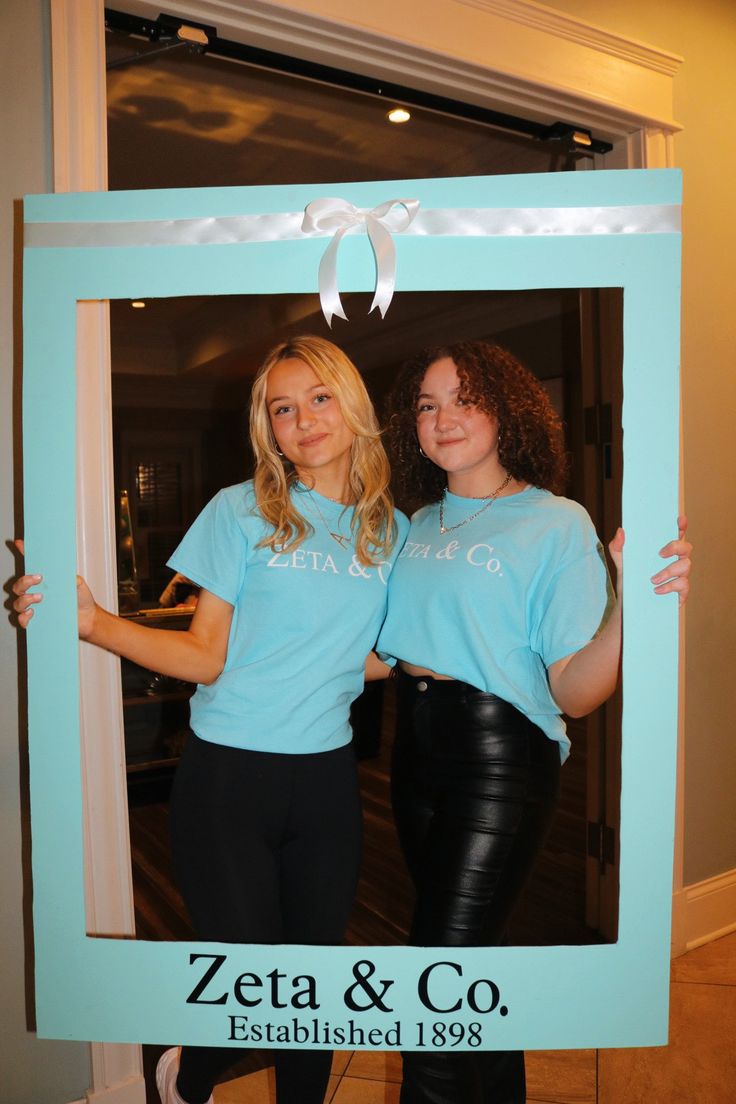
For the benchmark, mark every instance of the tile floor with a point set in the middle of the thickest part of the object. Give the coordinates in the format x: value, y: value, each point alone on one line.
x: 698, y: 1066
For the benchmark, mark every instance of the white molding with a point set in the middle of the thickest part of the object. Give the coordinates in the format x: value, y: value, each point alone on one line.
x: 655, y: 148
x: 80, y: 164
x: 648, y: 148
x: 678, y: 935
x: 77, y: 37
x: 107, y: 851
x: 130, y: 1091
x: 486, y: 53
x: 127, y: 1092
x: 562, y: 25
x: 703, y: 912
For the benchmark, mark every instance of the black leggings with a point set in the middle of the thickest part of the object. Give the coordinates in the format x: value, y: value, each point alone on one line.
x: 266, y: 850
x: 474, y: 786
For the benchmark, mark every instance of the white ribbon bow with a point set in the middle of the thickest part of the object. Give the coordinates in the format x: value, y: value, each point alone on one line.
x: 391, y: 217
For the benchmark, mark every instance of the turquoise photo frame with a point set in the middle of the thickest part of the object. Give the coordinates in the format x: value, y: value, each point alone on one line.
x: 576, y: 230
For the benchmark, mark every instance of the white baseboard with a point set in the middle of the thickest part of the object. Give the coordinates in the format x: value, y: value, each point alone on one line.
x: 131, y: 1091
x: 703, y: 912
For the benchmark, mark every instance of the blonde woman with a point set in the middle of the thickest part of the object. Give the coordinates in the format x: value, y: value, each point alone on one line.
x: 293, y: 567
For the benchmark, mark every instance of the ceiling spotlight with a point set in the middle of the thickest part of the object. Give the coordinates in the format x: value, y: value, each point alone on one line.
x: 398, y: 115
x: 139, y: 304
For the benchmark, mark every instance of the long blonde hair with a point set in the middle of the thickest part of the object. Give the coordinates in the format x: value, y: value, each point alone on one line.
x: 369, y: 474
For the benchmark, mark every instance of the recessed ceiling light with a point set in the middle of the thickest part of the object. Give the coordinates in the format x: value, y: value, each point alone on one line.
x: 137, y: 303
x: 398, y: 115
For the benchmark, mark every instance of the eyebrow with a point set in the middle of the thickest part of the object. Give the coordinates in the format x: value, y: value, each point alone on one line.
x: 281, y: 398
x: 430, y: 394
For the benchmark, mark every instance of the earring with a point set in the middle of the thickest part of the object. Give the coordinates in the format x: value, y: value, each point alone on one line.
x: 422, y: 453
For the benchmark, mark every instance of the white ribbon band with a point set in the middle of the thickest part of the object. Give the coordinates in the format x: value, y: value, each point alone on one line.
x: 338, y: 217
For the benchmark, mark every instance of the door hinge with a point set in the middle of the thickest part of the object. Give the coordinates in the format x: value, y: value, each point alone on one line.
x: 602, y: 844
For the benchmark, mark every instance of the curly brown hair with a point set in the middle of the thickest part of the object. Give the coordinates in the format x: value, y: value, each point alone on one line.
x: 531, y: 443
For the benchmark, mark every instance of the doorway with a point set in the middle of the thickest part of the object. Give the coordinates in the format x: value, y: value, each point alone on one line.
x: 180, y: 120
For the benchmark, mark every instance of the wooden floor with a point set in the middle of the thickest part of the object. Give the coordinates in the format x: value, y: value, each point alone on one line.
x: 552, y: 910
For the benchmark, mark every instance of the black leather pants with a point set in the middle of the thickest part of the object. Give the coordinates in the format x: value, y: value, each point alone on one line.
x: 474, y: 786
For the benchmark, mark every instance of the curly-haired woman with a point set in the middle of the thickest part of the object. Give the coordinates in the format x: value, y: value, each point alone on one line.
x: 501, y: 617
x: 293, y: 567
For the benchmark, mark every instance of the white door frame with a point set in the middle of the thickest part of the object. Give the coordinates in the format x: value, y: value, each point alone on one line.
x: 512, y: 55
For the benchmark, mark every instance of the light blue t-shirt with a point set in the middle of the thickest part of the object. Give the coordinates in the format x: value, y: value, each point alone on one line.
x: 497, y: 600
x: 303, y: 623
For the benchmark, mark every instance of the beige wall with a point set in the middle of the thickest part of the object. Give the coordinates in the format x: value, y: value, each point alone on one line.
x: 32, y: 1071
x: 704, y: 33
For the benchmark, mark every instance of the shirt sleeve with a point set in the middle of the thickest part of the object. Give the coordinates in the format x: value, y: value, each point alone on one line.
x: 576, y: 598
x: 214, y: 549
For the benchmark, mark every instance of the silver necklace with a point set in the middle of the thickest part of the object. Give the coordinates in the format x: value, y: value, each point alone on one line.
x: 341, y: 539
x: 490, y: 499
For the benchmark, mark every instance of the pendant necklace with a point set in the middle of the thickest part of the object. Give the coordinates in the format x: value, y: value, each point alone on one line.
x: 490, y: 499
x: 341, y: 539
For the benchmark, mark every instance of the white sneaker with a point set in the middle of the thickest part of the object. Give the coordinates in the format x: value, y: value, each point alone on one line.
x: 167, y: 1072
